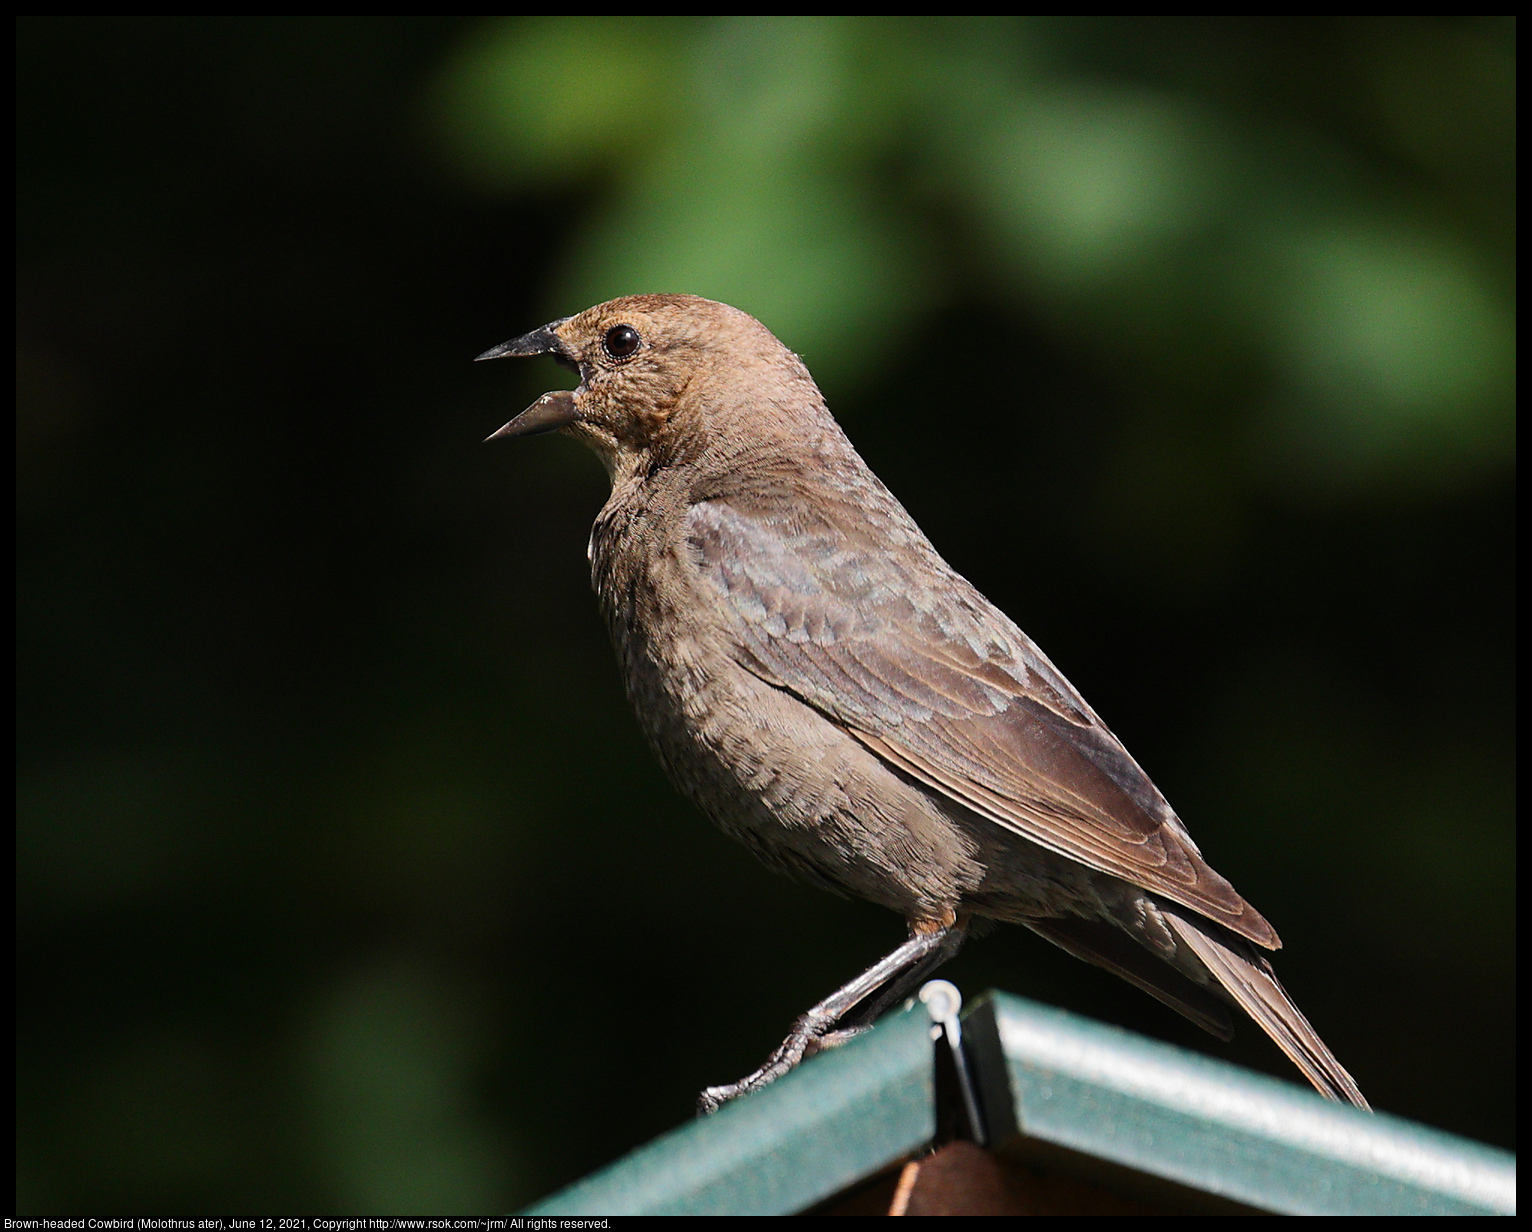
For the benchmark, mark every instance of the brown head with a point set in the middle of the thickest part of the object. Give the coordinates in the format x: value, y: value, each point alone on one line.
x: 661, y: 374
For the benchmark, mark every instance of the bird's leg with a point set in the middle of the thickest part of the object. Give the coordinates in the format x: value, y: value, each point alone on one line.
x: 896, y: 974
x: 950, y: 941
x: 896, y: 991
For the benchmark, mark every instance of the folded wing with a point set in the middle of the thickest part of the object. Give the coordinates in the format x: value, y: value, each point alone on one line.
x: 848, y: 608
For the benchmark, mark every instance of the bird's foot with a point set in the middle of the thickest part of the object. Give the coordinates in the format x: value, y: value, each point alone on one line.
x: 834, y: 1039
x: 810, y: 1034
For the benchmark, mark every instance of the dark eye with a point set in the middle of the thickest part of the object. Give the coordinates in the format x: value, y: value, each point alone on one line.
x: 621, y: 341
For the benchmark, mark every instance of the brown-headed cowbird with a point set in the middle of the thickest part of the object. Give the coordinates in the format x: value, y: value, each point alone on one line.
x: 830, y: 692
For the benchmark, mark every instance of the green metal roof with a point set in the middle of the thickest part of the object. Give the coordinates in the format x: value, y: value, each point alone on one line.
x: 1054, y: 1082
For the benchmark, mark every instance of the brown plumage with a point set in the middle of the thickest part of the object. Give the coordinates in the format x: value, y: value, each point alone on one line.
x: 834, y: 695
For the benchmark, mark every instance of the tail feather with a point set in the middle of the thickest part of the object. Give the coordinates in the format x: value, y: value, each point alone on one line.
x: 1107, y: 946
x: 1250, y: 981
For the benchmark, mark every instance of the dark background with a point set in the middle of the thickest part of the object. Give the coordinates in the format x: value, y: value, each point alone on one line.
x: 345, y: 881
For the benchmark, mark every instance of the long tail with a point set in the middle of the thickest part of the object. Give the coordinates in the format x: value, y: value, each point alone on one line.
x: 1249, y: 979
x: 1111, y: 949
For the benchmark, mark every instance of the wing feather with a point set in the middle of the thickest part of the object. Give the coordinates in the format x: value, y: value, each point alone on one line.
x: 899, y: 650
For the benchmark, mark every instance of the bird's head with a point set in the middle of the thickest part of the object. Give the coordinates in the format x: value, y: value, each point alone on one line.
x: 662, y: 374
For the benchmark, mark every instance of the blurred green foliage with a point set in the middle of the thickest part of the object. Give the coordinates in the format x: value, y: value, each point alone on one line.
x: 344, y: 881
x: 841, y: 177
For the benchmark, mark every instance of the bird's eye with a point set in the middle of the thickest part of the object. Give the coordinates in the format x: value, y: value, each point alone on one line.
x: 621, y: 341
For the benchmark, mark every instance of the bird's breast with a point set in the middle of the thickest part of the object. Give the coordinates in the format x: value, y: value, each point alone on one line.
x: 768, y: 769
x: 668, y: 635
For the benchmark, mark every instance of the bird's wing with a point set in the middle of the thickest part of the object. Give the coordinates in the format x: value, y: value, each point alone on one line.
x: 849, y: 608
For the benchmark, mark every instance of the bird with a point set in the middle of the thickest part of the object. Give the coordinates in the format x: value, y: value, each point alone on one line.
x: 834, y: 695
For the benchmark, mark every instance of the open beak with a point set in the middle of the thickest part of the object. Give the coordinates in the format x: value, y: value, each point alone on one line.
x: 551, y: 411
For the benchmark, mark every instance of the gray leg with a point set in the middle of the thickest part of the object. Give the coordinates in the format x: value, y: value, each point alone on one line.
x: 896, y: 975
x: 951, y: 941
